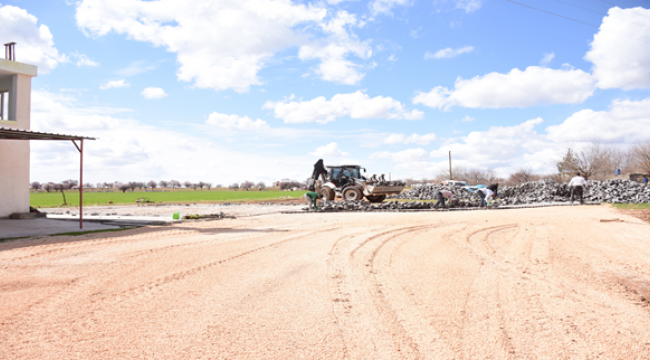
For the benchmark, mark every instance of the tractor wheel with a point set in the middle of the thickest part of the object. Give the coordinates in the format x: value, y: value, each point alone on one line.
x: 327, y: 193
x: 376, y: 198
x: 351, y: 193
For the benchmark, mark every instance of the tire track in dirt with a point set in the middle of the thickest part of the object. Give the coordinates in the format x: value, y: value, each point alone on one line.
x: 407, y: 310
x: 67, y: 295
x: 483, y: 300
x: 149, y: 287
x: 352, y: 308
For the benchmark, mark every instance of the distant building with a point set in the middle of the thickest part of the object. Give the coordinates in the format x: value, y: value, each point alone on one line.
x: 637, y: 177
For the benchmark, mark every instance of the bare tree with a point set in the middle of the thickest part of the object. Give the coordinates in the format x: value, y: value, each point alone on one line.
x: 233, y: 186
x: 187, y: 184
x: 68, y: 184
x: 35, y: 185
x: 132, y: 185
x: 175, y: 184
x: 48, y: 186
x: 622, y: 159
x: 219, y: 186
x: 163, y: 183
x: 594, y: 161
x: 61, y: 187
x: 89, y: 186
x: 201, y: 184
x: 246, y: 185
x: 208, y: 185
x: 195, y: 185
x: 522, y: 175
x: 641, y: 157
x: 122, y: 186
x: 151, y: 184
x: 261, y: 185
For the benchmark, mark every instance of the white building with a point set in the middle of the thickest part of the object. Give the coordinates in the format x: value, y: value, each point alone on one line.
x: 15, y: 134
x: 15, y: 95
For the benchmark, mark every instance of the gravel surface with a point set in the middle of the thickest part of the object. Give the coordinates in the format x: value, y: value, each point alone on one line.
x: 547, y: 283
x: 166, y: 211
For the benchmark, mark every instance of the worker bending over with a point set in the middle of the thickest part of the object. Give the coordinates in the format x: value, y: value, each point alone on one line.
x: 485, y: 194
x: 576, y: 184
x: 311, y: 198
x: 440, y: 196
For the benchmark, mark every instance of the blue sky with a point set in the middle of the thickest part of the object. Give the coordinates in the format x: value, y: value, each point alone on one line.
x: 226, y: 91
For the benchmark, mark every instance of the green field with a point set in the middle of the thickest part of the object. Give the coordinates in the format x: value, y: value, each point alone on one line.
x: 631, y: 206
x: 55, y: 199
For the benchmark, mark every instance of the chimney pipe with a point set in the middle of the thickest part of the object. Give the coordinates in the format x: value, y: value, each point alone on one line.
x: 10, y: 51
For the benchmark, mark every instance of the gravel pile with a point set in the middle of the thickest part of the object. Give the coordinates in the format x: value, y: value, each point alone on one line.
x: 542, y: 191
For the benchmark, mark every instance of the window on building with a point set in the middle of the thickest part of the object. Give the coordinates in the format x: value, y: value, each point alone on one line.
x: 4, y: 105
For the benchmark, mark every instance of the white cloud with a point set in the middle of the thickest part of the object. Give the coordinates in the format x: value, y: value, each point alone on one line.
x: 135, y: 68
x: 115, y: 84
x: 506, y: 148
x: 144, y: 152
x: 425, y: 139
x: 333, y: 50
x: 495, y: 147
x: 620, y: 51
x: 224, y: 45
x: 626, y: 122
x: 152, y: 92
x: 468, y: 5
x: 404, y: 156
x: 34, y: 44
x: 533, y: 86
x: 546, y: 59
x: 357, y: 105
x: 467, y: 119
x: 386, y: 6
x: 447, y: 53
x: 83, y: 60
x: 330, y: 150
x: 236, y: 122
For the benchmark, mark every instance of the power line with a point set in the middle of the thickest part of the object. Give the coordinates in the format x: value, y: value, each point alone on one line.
x: 646, y: 40
x: 554, y: 14
x: 602, y: 13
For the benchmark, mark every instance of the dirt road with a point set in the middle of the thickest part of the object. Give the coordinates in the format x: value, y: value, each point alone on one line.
x: 549, y: 283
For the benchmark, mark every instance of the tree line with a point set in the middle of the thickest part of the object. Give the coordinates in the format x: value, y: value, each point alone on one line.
x: 595, y: 161
x: 173, y: 184
x: 133, y: 185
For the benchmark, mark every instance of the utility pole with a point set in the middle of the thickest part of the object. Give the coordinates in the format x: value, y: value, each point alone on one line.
x: 450, y: 165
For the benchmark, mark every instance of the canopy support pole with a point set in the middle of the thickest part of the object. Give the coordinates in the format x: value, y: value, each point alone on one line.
x: 80, y: 147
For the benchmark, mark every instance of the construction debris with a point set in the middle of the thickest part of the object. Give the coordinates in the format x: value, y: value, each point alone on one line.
x: 542, y: 191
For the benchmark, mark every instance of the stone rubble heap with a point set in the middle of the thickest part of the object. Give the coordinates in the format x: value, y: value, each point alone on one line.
x: 542, y: 191
x: 389, y: 183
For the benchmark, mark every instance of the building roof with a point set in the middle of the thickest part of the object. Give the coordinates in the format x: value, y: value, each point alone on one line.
x: 9, y: 67
x: 18, y: 134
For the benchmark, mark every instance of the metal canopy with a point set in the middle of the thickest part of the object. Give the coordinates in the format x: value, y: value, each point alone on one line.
x: 18, y: 134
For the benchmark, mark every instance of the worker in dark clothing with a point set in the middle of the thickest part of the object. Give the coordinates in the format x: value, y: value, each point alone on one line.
x: 645, y: 180
x: 494, y: 188
x: 311, y: 198
x: 576, y: 184
x: 319, y: 170
x: 440, y: 196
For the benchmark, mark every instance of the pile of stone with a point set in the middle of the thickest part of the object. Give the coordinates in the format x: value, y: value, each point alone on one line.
x: 542, y: 191
x: 389, y: 183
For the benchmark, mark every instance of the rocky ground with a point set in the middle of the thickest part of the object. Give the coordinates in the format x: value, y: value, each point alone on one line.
x: 542, y: 191
x: 544, y: 283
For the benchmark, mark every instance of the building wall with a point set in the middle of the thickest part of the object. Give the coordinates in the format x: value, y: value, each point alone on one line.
x: 14, y: 154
